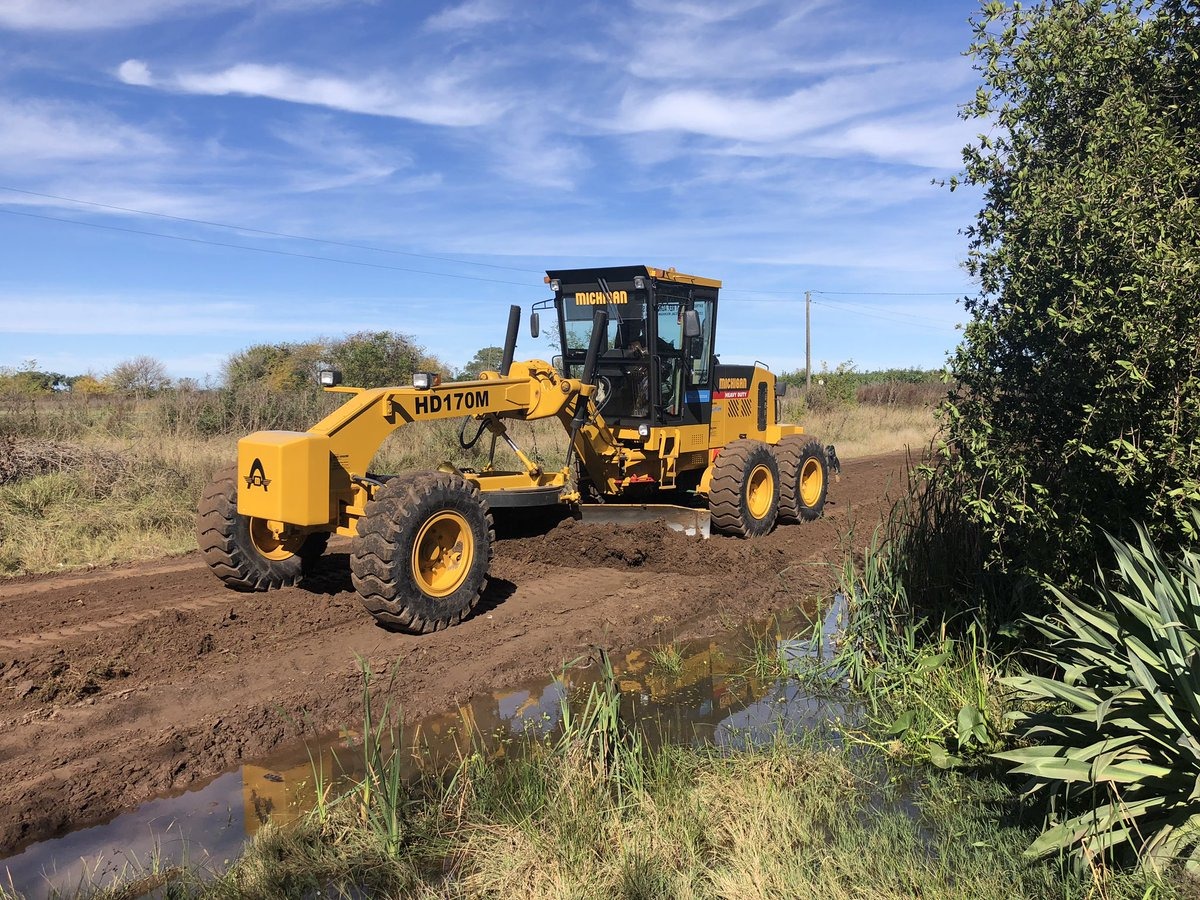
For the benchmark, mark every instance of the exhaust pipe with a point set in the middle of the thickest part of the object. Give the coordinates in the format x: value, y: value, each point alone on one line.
x: 590, y: 363
x: 510, y: 340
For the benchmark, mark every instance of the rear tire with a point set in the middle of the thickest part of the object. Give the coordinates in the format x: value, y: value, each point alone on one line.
x: 743, y: 496
x: 241, y: 551
x: 421, y: 557
x: 803, y: 478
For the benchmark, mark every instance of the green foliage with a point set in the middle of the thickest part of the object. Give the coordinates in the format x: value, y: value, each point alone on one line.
x: 485, y: 359
x: 375, y: 358
x: 31, y: 381
x: 1118, y: 737
x: 927, y: 695
x: 1078, y: 405
x: 365, y: 358
x: 276, y: 366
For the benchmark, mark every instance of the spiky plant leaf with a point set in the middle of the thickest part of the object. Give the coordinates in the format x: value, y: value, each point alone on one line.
x: 1116, y: 744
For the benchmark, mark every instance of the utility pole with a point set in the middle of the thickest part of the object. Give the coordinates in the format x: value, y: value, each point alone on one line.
x: 807, y: 342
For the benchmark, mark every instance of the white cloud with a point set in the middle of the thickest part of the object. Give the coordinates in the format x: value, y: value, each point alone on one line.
x: 91, y: 15
x: 326, y: 156
x: 35, y: 131
x: 134, y: 71
x: 745, y: 117
x: 470, y: 14
x: 925, y: 140
x: 699, y: 10
x: 433, y: 99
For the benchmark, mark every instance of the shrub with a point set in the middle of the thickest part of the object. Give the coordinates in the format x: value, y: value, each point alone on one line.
x: 1079, y: 405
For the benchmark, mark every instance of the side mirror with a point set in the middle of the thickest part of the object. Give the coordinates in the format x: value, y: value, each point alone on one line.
x: 691, y: 323
x: 535, y: 327
x: 557, y: 362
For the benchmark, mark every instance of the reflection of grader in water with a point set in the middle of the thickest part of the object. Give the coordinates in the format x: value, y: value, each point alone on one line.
x: 714, y: 683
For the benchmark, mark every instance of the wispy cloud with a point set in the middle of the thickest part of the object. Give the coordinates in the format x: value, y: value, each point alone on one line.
x: 433, y: 99
x: 33, y: 132
x: 470, y: 14
x: 98, y: 15
x: 703, y: 11
x: 745, y: 116
x: 88, y: 15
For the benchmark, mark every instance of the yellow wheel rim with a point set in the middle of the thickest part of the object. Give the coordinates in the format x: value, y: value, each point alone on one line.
x: 442, y: 554
x: 812, y: 479
x: 760, y: 491
x: 272, y: 546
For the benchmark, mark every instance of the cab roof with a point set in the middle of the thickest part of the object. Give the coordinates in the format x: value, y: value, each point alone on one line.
x: 625, y: 273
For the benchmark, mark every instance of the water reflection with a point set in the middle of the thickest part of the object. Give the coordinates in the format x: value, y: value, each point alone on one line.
x: 734, y: 691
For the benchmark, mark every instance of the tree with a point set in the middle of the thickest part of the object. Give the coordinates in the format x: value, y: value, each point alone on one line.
x: 87, y: 385
x: 142, y: 375
x: 485, y: 359
x: 1078, y: 406
x: 375, y: 358
x: 277, y: 367
x: 30, y: 380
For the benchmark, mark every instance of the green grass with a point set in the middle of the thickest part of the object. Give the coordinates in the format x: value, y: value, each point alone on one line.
x: 667, y: 660
x: 596, y: 813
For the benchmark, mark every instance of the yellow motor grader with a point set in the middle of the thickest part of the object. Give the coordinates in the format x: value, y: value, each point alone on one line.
x: 639, y: 389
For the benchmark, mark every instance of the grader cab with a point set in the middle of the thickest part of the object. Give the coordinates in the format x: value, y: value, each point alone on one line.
x: 646, y: 404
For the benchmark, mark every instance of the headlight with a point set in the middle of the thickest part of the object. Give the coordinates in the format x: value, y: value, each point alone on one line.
x: 329, y: 377
x: 423, y: 381
x: 644, y: 431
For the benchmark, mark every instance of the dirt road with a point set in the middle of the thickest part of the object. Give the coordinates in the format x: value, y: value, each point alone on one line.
x: 118, y: 684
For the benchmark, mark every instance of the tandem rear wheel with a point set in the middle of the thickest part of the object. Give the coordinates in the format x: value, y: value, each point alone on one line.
x: 803, y: 478
x: 420, y: 560
x: 743, y: 496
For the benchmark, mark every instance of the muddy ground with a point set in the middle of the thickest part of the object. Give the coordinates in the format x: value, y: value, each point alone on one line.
x: 119, y: 684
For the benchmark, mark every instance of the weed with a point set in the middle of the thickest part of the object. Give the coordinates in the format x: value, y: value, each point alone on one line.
x: 667, y: 659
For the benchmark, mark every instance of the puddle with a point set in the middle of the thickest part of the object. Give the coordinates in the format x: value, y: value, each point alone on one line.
x: 731, y: 691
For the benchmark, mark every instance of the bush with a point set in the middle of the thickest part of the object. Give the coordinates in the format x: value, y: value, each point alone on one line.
x: 1079, y: 405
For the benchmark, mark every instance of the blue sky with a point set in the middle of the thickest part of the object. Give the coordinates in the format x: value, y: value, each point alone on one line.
x: 183, y: 178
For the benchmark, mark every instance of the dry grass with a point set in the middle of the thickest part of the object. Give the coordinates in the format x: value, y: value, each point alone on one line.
x: 87, y: 483
x: 866, y: 429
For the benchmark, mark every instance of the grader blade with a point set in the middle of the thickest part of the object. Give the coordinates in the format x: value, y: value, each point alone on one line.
x: 692, y: 522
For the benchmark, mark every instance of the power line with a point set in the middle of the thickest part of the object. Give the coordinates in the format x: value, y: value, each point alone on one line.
x: 192, y: 240
x: 279, y: 234
x: 855, y: 312
x: 846, y: 305
x: 890, y: 293
x: 851, y: 293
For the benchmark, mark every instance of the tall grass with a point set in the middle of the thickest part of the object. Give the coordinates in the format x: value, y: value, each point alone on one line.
x: 87, y: 481
x: 581, y: 817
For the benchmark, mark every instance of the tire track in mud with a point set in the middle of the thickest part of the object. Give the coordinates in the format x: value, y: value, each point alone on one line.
x: 88, y: 629
x: 45, y: 584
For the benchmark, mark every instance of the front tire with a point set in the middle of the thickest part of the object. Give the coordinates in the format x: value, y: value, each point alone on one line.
x: 421, y: 557
x: 743, y: 497
x: 242, y: 551
x: 804, y: 478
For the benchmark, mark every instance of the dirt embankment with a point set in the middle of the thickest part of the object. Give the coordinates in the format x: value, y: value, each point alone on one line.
x: 123, y: 683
